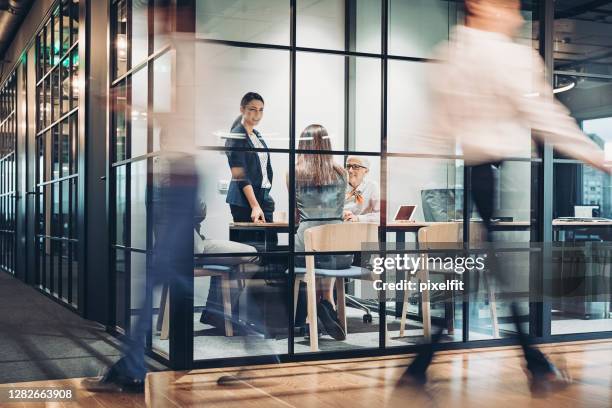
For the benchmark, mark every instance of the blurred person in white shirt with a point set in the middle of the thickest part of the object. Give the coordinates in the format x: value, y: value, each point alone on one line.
x: 490, y: 96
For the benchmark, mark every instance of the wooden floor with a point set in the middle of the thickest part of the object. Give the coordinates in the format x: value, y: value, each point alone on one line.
x: 474, y: 378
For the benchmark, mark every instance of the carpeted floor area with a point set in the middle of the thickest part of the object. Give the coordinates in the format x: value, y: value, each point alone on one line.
x: 41, y: 340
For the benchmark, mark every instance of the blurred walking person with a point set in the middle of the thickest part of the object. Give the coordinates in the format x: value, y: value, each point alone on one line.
x: 488, y: 93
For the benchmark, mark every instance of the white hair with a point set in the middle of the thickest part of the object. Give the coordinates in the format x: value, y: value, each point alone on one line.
x: 364, y: 160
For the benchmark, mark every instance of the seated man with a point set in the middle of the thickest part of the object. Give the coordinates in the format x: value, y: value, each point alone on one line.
x: 213, y: 312
x: 362, y: 200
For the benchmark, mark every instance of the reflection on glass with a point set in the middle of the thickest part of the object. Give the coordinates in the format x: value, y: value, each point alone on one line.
x: 416, y: 27
x: 582, y: 37
x: 138, y: 113
x: 588, y: 102
x: 139, y: 27
x: 119, y: 122
x: 257, y: 21
x: 138, y: 209
x: 225, y: 74
x: 121, y: 230
x: 254, y: 314
x: 119, y: 45
x: 121, y: 261
x: 339, y: 25
x: 74, y: 79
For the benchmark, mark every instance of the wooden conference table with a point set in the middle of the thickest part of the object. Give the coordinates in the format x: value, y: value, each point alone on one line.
x: 560, y: 227
x: 401, y: 228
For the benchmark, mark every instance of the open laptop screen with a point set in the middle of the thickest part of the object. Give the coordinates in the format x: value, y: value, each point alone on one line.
x: 405, y: 212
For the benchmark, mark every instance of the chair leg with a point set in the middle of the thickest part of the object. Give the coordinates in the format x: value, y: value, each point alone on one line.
x: 341, y: 304
x: 426, y: 308
x: 404, y: 309
x: 492, y: 306
x: 227, y: 305
x: 296, y: 293
x: 162, y: 307
x: 311, y: 291
x: 165, y: 327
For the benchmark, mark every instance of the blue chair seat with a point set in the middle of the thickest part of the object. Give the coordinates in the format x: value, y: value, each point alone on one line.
x: 215, y: 268
x: 353, y: 272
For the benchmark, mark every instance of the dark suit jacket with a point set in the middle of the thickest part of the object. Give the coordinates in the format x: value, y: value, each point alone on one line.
x: 249, y: 161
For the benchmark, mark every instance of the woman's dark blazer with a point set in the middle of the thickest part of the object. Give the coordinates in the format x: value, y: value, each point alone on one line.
x: 249, y: 161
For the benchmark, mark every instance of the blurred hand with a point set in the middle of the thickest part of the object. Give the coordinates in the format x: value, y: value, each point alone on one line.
x: 257, y: 215
x: 349, y: 216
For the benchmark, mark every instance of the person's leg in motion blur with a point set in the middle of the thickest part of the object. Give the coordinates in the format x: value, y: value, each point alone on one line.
x: 483, y: 192
x: 172, y: 264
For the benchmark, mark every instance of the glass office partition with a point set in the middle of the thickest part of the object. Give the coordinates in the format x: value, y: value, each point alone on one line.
x: 8, y: 173
x: 57, y: 172
x: 359, y: 70
x: 583, y: 214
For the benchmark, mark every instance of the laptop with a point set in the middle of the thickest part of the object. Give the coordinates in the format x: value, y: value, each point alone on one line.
x: 405, y: 213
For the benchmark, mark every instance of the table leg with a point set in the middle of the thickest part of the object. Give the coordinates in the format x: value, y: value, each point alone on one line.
x: 400, y: 238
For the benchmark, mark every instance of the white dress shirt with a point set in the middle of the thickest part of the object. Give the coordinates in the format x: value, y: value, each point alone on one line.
x: 263, y: 160
x: 369, y: 209
x: 489, y: 92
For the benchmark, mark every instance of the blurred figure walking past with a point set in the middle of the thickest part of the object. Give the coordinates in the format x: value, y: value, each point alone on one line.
x: 488, y: 93
x: 171, y: 200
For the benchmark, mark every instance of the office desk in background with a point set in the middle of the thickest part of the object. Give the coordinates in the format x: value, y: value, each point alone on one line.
x: 562, y: 230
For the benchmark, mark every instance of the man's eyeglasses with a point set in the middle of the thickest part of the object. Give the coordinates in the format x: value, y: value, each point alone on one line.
x: 355, y: 167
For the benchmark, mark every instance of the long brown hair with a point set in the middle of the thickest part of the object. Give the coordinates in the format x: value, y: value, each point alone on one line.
x: 316, y: 169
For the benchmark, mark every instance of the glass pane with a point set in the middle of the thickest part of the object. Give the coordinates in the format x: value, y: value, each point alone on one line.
x: 163, y: 95
x: 65, y: 85
x: 325, y: 103
x: 138, y: 270
x: 74, y: 12
x: 138, y: 209
x: 57, y: 38
x: 120, y: 38
x: 228, y: 74
x: 55, y: 94
x: 74, y: 226
x: 121, y: 227
x: 258, y: 21
x: 74, y: 79
x: 48, y: 46
x: 55, y: 154
x: 74, y: 146
x: 64, y: 129
x: 582, y: 37
x: 256, y: 312
x: 65, y: 220
x: 417, y: 26
x: 140, y: 32
x: 329, y: 24
x: 121, y: 262
x: 215, y: 180
x: 588, y: 102
x: 65, y: 37
x: 138, y: 117
x: 409, y: 109
x: 119, y: 125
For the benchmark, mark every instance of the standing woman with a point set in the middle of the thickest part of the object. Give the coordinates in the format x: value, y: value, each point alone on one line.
x: 319, y: 196
x: 249, y: 191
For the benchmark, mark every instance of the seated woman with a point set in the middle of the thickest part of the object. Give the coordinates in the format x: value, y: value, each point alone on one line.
x: 319, y: 196
x: 362, y: 201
